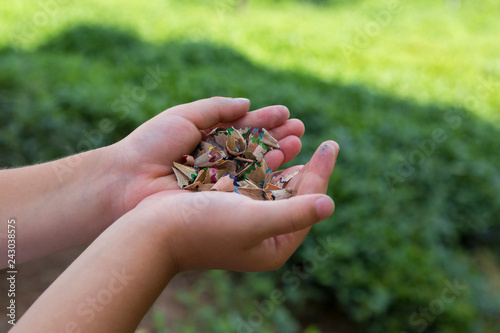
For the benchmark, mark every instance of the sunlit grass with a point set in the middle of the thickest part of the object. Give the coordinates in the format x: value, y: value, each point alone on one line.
x: 428, y: 51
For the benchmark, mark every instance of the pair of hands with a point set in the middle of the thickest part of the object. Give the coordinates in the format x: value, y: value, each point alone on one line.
x: 160, y: 230
x: 217, y: 230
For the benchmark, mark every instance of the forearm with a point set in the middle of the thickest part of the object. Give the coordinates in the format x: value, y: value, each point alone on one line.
x: 110, y: 287
x: 59, y: 203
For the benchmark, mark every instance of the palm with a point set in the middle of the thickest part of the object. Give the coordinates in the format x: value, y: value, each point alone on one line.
x: 256, y: 235
x: 153, y: 147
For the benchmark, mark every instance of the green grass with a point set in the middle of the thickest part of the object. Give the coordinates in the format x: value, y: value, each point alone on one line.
x: 413, y: 207
x: 426, y: 52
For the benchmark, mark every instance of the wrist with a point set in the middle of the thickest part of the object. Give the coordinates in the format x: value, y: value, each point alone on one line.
x: 113, y: 175
x: 149, y: 230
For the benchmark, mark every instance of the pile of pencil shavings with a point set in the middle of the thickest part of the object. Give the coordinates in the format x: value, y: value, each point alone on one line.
x: 232, y: 160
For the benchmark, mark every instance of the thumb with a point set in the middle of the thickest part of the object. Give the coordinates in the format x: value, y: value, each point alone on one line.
x: 273, y: 218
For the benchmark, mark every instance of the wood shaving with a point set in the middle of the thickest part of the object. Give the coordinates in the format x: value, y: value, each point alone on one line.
x: 232, y: 160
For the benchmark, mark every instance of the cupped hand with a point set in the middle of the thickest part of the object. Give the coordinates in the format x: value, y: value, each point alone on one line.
x: 220, y: 230
x: 145, y: 156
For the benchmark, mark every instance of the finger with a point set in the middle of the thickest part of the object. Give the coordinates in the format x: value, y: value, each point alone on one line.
x: 209, y: 112
x: 273, y: 218
x: 289, y: 148
x: 290, y: 127
x: 271, y: 253
x: 274, y: 159
x: 314, y: 177
x: 276, y: 251
x: 268, y: 117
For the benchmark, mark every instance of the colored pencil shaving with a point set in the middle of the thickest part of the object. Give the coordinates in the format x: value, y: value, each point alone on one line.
x: 232, y: 160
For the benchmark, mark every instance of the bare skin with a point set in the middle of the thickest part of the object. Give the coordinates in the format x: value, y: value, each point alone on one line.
x: 146, y: 230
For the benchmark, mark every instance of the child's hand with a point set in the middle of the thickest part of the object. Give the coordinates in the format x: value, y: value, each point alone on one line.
x: 146, y: 155
x: 220, y: 230
x: 162, y: 233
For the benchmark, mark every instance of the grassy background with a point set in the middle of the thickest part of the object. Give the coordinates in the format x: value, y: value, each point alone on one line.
x: 409, y: 90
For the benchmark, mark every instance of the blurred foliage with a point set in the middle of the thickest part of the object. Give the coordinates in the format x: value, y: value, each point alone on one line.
x: 235, y: 297
x: 416, y: 183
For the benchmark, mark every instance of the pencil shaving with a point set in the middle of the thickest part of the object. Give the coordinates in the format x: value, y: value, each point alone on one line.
x: 232, y: 160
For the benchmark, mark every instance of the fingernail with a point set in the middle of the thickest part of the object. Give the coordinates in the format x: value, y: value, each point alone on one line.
x: 242, y: 100
x: 324, y: 207
x: 329, y: 144
x: 334, y: 145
